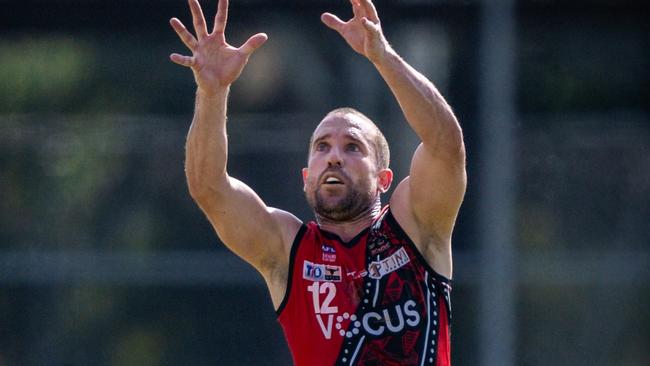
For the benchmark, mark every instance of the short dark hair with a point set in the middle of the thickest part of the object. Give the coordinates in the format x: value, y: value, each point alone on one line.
x: 382, y: 152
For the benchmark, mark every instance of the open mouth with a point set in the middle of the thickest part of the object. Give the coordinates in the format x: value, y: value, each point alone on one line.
x: 332, y: 181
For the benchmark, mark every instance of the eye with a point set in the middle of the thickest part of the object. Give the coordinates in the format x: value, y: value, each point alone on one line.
x: 321, y: 146
x: 352, y: 147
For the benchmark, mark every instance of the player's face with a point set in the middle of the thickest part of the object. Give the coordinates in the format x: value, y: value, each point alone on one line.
x: 341, y: 176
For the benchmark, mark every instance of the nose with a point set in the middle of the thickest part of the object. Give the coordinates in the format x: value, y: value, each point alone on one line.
x: 334, y: 158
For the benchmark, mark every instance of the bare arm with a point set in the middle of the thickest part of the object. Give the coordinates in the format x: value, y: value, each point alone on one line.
x: 427, y: 202
x: 248, y: 227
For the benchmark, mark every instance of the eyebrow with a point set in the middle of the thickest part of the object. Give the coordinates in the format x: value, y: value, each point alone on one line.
x: 351, y: 136
x: 354, y: 137
x: 321, y: 138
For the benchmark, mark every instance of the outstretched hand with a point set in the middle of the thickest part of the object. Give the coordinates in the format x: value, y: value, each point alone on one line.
x: 214, y: 62
x: 363, y: 32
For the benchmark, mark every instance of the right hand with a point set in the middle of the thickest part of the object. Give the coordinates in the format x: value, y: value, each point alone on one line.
x: 214, y: 62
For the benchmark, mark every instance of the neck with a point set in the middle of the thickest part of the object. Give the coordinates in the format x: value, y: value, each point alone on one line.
x: 348, y: 229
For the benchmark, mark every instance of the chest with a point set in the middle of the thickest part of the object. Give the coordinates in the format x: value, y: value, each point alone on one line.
x: 333, y: 270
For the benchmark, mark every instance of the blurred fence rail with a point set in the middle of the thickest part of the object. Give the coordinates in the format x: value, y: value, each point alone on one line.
x: 222, y: 269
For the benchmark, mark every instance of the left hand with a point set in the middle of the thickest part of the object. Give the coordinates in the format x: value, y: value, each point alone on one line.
x: 363, y: 32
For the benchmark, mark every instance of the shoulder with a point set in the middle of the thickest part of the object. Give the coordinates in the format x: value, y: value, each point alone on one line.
x: 288, y: 226
x: 431, y: 226
x: 402, y: 211
x: 434, y: 247
x: 276, y: 267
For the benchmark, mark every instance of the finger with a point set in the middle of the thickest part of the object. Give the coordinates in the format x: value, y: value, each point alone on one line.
x: 185, y: 36
x: 198, y: 19
x: 371, y: 11
x: 332, y: 21
x: 182, y: 60
x: 253, y: 43
x: 221, y: 18
x: 356, y: 8
x: 372, y: 29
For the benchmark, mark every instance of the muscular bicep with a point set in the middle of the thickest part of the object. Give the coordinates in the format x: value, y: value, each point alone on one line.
x: 255, y: 232
x: 434, y: 190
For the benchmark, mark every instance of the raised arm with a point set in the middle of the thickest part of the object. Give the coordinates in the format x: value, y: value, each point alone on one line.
x: 244, y: 223
x: 427, y: 202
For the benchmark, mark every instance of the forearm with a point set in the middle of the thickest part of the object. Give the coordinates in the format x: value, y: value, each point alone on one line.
x: 206, y: 150
x: 425, y: 109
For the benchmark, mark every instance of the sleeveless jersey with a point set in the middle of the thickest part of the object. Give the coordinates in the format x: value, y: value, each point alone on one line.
x: 371, y: 301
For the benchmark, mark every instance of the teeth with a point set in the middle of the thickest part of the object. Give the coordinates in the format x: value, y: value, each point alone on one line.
x: 332, y: 180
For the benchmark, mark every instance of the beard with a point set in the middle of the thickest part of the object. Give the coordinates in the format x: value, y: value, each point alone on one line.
x: 353, y: 204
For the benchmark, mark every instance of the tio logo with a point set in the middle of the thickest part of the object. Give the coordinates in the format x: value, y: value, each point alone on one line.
x: 321, y: 272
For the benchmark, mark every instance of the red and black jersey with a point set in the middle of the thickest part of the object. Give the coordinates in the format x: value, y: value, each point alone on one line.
x: 371, y: 301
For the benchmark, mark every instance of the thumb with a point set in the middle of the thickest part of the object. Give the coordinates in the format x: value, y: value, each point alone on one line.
x: 332, y: 21
x: 253, y: 43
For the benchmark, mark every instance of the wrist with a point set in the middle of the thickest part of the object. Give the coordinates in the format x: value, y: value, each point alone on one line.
x: 384, y: 58
x: 216, y: 93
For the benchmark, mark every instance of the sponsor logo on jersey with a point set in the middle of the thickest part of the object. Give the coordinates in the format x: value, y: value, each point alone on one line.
x: 329, y: 253
x: 378, y: 244
x: 390, y: 320
x: 379, y: 269
x: 357, y: 274
x: 321, y: 272
x: 394, y: 320
x: 380, y: 249
x: 329, y: 257
x: 332, y: 273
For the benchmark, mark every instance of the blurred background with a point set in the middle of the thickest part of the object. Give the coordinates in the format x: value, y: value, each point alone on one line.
x: 105, y: 260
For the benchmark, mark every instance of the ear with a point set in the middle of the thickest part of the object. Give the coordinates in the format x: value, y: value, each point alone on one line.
x: 304, y: 178
x: 384, y: 180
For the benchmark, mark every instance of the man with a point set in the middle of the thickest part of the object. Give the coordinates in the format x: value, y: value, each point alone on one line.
x: 362, y: 285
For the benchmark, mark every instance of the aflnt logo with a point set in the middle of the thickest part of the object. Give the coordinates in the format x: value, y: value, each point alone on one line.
x: 321, y: 272
x: 328, y: 248
x: 329, y: 253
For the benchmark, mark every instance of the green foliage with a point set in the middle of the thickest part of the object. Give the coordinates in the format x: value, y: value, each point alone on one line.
x: 42, y: 72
